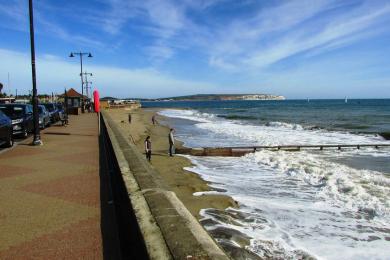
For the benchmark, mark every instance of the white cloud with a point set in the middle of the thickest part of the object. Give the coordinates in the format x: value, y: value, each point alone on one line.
x: 271, y: 34
x: 58, y: 31
x: 235, y: 45
x: 159, y: 19
x: 163, y: 18
x: 17, y: 11
x: 244, y: 46
x: 116, y: 16
x: 16, y: 17
x: 220, y: 63
x: 55, y: 74
x: 275, y: 33
x: 159, y: 52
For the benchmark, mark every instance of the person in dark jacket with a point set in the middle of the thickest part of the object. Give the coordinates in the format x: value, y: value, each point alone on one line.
x: 171, y: 142
x: 129, y: 118
x: 148, y: 148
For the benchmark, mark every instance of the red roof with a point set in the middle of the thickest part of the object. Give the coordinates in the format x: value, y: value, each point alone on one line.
x: 73, y: 93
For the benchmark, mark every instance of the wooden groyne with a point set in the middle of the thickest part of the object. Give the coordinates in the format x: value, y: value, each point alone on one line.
x: 240, y: 151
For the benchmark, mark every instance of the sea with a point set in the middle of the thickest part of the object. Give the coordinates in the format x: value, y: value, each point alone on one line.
x: 307, y: 204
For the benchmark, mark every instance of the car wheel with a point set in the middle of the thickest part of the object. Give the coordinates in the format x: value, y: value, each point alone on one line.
x: 10, y: 140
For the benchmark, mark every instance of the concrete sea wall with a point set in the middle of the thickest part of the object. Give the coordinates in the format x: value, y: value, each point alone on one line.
x: 168, y: 229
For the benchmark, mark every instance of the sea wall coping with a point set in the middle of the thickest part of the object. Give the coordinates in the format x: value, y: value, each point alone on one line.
x: 154, y: 241
x: 168, y: 228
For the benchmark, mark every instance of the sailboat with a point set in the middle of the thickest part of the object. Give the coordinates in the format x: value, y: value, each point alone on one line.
x: 346, y: 100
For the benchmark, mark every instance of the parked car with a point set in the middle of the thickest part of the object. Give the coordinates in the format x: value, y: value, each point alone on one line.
x: 6, y: 137
x: 21, y: 116
x: 53, y: 111
x: 44, y: 117
x: 61, y: 111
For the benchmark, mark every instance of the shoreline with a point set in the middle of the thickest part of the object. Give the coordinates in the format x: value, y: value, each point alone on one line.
x: 271, y: 197
x: 171, y: 169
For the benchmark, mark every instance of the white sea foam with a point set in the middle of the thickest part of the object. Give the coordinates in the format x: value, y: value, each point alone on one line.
x: 285, y: 125
x: 226, y: 132
x: 304, y: 212
x: 188, y: 114
x: 302, y: 201
x: 340, y: 185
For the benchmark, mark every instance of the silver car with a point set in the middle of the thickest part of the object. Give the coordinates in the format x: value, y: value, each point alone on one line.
x: 44, y: 117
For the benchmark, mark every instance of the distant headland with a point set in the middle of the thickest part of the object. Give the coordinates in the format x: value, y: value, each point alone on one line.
x: 205, y: 97
x: 210, y: 97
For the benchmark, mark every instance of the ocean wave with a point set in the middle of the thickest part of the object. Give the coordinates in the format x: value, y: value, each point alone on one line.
x: 303, y: 203
x: 285, y: 125
x: 352, y: 126
x: 299, y: 201
x: 232, y: 229
x: 192, y: 115
x: 227, y: 132
x: 339, y: 184
x: 238, y: 117
x: 385, y: 135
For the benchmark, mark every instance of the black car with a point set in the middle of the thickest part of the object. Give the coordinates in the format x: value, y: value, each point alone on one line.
x: 21, y: 116
x: 6, y: 138
x: 53, y: 111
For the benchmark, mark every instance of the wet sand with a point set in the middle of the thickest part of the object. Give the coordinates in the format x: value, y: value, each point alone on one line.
x: 183, y: 183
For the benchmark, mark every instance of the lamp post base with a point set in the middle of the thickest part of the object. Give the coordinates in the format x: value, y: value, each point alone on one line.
x: 37, y: 142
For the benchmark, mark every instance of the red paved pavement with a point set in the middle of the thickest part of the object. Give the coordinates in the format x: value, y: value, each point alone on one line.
x: 50, y: 195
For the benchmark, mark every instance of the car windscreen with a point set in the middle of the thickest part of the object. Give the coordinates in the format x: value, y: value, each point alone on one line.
x: 49, y: 107
x: 12, y: 111
x: 40, y: 110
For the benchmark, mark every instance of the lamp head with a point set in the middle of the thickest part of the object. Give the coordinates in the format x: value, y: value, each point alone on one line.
x: 71, y: 55
x: 90, y: 55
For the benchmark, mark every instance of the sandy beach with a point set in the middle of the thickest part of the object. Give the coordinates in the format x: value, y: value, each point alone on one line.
x: 183, y: 183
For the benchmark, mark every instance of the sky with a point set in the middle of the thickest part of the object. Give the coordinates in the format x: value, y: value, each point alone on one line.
x: 162, y: 48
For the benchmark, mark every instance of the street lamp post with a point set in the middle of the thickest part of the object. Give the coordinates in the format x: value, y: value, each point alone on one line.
x: 37, y: 136
x: 88, y: 88
x: 86, y: 74
x: 65, y: 101
x: 81, y: 54
x: 66, y: 107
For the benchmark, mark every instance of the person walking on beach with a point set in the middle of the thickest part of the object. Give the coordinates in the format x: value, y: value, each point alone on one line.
x: 171, y: 142
x: 129, y: 118
x: 148, y: 148
x: 154, y: 119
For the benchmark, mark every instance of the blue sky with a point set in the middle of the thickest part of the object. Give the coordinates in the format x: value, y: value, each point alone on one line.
x: 151, y: 48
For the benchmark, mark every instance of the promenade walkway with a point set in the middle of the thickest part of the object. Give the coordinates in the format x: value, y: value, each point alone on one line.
x: 50, y: 195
